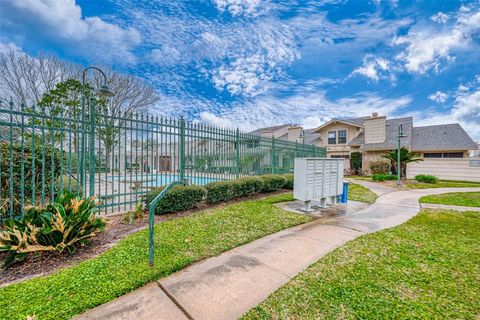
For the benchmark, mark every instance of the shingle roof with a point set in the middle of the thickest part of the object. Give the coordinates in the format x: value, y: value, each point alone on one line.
x: 310, y: 137
x: 270, y: 129
x: 391, y: 135
x: 441, y: 137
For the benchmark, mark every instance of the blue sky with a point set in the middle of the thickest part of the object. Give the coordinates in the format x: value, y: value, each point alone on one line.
x: 251, y: 63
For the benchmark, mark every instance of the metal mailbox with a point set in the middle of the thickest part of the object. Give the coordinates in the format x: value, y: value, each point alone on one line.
x: 318, y: 179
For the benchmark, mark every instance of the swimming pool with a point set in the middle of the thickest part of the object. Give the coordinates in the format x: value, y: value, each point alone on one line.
x: 156, y: 180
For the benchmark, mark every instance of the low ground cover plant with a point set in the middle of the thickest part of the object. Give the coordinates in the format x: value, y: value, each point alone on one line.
x: 131, y: 217
x: 66, y: 223
x: 467, y: 199
x: 383, y: 177
x: 426, y: 178
x: 179, y: 198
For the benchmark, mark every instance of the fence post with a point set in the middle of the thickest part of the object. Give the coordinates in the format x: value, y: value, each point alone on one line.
x: 181, y: 150
x: 237, y: 153
x: 91, y: 148
x: 81, y: 169
x: 273, y: 155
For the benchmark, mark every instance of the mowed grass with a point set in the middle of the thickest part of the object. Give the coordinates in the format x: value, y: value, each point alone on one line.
x: 124, y: 268
x: 360, y: 193
x: 413, y: 184
x: 467, y: 199
x: 427, y: 268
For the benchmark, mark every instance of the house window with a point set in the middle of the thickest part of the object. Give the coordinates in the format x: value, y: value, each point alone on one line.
x: 340, y: 156
x: 453, y: 154
x: 332, y: 137
x: 443, y: 155
x: 432, y: 155
x: 342, y: 136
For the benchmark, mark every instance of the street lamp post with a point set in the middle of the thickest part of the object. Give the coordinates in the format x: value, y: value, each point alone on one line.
x: 103, y: 91
x: 400, y: 135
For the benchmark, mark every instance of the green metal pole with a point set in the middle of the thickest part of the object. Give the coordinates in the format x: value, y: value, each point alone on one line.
x: 82, y: 143
x: 237, y: 153
x: 273, y: 155
x: 181, y: 150
x: 91, y: 166
x: 398, y: 160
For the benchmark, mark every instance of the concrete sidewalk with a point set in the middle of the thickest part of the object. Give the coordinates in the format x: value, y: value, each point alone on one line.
x: 227, y: 286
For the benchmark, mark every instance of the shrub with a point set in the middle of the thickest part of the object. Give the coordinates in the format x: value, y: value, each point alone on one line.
x: 220, y: 191
x: 356, y: 162
x: 30, y: 157
x: 247, y: 186
x: 131, y: 216
x: 179, y: 198
x: 272, y: 182
x: 426, y: 178
x: 379, y: 167
x: 383, y: 177
x: 61, y: 225
x: 288, y: 181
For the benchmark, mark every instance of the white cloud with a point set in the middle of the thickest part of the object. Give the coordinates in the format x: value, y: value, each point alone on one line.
x: 62, y: 22
x: 440, y: 17
x: 312, y: 122
x: 308, y: 109
x: 372, y: 67
x: 438, y: 97
x: 238, y: 7
x: 427, y: 49
x: 210, y: 118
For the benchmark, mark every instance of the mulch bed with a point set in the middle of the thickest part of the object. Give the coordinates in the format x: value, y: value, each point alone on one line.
x: 48, y: 262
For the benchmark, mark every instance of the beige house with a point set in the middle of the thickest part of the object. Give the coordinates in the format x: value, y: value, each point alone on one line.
x: 375, y: 135
x: 446, y: 149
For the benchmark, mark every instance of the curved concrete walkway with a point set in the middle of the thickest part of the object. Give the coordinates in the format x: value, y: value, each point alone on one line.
x: 377, y: 188
x: 229, y: 285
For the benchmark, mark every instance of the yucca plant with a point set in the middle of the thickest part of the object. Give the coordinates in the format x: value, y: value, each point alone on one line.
x: 62, y: 225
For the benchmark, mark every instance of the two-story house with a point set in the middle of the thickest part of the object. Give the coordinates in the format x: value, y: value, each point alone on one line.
x: 373, y: 136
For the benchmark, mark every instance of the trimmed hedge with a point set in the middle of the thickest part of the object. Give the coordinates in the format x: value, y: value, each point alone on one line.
x: 288, y: 181
x: 272, y: 182
x: 426, y: 178
x: 383, y: 177
x: 247, y: 186
x: 179, y: 198
x: 220, y: 191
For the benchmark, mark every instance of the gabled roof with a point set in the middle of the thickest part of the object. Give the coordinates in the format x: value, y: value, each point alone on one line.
x: 356, y: 122
x: 310, y: 137
x: 270, y: 129
x: 441, y: 137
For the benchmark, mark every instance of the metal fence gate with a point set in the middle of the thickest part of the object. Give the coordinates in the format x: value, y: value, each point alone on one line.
x: 118, y: 158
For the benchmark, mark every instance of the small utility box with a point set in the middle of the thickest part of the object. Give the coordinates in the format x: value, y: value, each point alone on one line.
x: 318, y: 179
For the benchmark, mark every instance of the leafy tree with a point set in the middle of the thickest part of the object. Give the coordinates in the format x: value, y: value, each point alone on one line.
x: 405, y: 157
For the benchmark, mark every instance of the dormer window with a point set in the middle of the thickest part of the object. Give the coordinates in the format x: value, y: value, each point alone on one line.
x: 332, y: 137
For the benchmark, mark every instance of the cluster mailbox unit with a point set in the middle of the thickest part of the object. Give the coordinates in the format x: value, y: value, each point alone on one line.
x: 318, y: 179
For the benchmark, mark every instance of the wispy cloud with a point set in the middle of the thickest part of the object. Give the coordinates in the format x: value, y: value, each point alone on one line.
x: 438, y: 97
x: 372, y: 67
x: 440, y: 17
x: 429, y: 48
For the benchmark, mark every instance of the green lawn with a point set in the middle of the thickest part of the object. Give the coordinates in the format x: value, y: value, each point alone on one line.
x: 124, y: 268
x: 360, y: 193
x: 412, y: 184
x: 468, y: 199
x: 427, y: 268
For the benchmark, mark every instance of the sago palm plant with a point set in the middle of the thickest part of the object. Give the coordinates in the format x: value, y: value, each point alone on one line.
x: 405, y: 157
